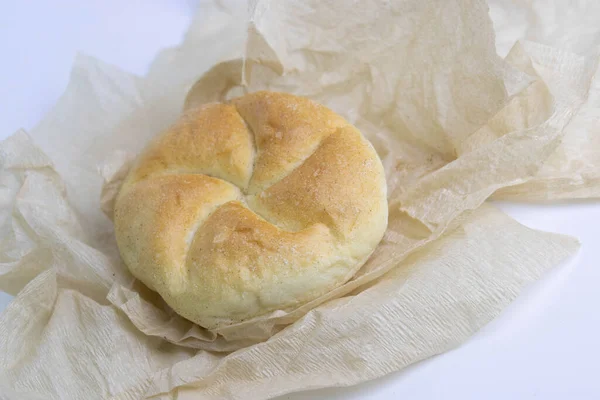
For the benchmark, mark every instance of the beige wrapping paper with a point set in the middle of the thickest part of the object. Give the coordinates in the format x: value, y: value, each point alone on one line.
x: 572, y: 29
x: 453, y: 123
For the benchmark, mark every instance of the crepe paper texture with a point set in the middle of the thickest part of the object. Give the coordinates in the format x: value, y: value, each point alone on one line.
x: 454, y: 123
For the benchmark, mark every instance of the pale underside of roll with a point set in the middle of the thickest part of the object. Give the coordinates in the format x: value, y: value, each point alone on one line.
x: 263, y: 203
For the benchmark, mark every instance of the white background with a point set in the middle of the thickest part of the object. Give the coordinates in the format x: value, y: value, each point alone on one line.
x: 546, y: 345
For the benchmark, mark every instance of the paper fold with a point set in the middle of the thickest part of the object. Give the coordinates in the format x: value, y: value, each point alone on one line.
x: 453, y: 122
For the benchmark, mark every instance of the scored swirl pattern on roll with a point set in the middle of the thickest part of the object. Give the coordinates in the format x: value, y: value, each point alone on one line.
x: 246, y: 207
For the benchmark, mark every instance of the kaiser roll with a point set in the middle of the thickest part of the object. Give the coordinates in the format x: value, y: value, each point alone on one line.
x: 262, y: 203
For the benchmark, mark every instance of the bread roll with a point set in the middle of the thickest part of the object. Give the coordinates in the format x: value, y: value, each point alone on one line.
x: 263, y: 203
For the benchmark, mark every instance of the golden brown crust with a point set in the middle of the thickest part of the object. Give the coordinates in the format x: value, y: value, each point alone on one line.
x: 287, y: 129
x: 244, y: 208
x: 328, y: 187
x: 212, y: 138
x: 155, y: 218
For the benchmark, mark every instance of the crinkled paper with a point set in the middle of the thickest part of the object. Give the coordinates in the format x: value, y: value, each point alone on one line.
x: 454, y: 123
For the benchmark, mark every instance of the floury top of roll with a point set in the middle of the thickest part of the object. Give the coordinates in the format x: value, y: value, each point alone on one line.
x: 262, y: 203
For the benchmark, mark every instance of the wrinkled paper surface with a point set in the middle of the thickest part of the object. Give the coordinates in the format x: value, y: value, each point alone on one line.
x: 453, y: 122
